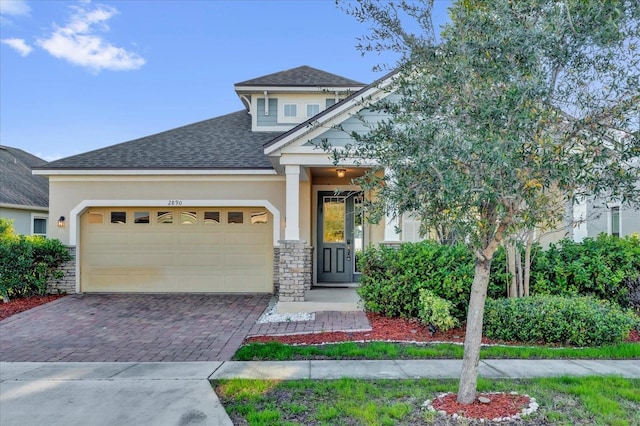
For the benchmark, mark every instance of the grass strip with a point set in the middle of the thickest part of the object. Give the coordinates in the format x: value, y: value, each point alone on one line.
x: 274, y: 351
x: 563, y: 400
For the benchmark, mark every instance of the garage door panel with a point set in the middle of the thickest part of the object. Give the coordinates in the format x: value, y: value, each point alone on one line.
x: 243, y: 239
x: 200, y: 259
x: 107, y: 259
x: 150, y: 259
x: 245, y: 282
x: 244, y: 260
x: 153, y: 238
x: 155, y: 257
x: 203, y: 238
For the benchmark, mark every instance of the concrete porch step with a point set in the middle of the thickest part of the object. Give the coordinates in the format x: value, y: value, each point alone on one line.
x: 322, y: 300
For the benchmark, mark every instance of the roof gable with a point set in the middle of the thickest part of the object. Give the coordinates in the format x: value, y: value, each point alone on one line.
x: 303, y: 76
x: 332, y: 116
x: 19, y: 186
x: 224, y: 142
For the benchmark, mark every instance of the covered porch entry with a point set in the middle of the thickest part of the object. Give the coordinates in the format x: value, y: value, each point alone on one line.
x: 325, y: 232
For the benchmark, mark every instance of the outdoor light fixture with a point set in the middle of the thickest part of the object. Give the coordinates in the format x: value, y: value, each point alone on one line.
x: 61, y: 222
x: 341, y: 172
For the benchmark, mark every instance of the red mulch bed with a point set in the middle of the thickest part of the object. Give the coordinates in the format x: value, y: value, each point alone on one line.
x: 385, y: 329
x: 502, y: 405
x: 16, y: 306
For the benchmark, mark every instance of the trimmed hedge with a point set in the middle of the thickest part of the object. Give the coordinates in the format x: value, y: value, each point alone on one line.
x: 605, y: 267
x: 579, y: 321
x: 393, y: 277
x: 28, y: 263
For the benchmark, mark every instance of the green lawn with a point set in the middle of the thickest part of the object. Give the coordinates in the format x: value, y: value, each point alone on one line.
x: 563, y: 400
x: 383, y: 350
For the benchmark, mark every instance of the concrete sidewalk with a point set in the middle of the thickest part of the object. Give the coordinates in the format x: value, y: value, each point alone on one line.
x: 67, y: 394
x: 415, y: 369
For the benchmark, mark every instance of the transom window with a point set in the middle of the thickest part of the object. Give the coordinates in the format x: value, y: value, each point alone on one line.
x: 235, y: 217
x: 211, y: 218
x: 141, y: 217
x: 119, y: 217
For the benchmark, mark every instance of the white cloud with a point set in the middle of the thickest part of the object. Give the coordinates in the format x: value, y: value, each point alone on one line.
x: 18, y: 44
x: 14, y: 7
x: 78, y: 43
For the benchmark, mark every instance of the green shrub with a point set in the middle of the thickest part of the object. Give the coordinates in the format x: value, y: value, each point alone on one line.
x: 393, y: 277
x: 435, y: 310
x: 580, y: 321
x: 605, y: 267
x: 28, y: 263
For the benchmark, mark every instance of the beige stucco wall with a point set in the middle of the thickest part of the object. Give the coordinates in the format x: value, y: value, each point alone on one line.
x: 67, y: 192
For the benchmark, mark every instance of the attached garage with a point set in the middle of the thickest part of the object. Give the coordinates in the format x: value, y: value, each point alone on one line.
x: 176, y: 249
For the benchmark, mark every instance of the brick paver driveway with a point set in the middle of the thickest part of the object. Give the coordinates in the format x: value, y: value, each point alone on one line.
x: 131, y: 327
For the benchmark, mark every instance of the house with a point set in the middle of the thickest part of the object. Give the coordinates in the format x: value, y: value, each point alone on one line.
x: 244, y: 202
x: 24, y: 198
x: 596, y: 217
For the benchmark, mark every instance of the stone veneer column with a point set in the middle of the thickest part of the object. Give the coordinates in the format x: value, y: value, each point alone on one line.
x: 67, y: 284
x: 294, y: 271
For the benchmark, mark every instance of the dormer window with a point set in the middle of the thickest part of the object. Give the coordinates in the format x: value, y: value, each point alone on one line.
x: 290, y: 110
x: 312, y: 109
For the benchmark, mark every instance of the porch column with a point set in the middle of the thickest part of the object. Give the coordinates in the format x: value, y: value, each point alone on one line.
x: 292, y: 218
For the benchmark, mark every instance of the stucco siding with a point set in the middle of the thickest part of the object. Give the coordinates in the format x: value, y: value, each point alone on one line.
x: 68, y: 193
x: 22, y: 218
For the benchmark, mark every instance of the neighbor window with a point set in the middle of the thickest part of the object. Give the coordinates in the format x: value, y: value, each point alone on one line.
x: 615, y: 221
x: 118, y: 217
x: 141, y: 217
x: 235, y: 217
x: 39, y: 226
x: 312, y: 109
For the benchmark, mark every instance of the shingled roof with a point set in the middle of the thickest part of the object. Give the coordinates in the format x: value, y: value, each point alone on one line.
x: 17, y: 185
x: 304, y: 76
x: 225, y: 142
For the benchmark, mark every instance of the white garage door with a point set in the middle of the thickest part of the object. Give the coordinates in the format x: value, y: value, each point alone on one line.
x: 176, y: 250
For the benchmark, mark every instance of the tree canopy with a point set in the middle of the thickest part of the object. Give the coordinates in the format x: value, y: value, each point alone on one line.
x: 518, y: 105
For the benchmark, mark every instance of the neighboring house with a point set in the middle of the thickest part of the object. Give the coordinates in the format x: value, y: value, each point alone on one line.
x: 244, y: 202
x: 24, y: 197
x: 595, y: 217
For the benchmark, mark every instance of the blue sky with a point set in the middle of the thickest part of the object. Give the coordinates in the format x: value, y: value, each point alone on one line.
x: 78, y: 75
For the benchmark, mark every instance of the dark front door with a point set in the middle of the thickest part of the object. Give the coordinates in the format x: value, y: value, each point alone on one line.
x: 336, y: 243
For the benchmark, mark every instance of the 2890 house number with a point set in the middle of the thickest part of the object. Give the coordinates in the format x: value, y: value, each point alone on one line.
x: 174, y: 203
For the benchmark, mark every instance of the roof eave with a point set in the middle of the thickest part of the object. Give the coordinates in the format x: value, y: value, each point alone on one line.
x: 298, y: 89
x: 149, y: 172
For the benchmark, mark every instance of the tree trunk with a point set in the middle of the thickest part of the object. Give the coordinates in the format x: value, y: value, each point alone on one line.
x: 519, y: 269
x: 511, y: 263
x: 527, y: 263
x: 473, y: 337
